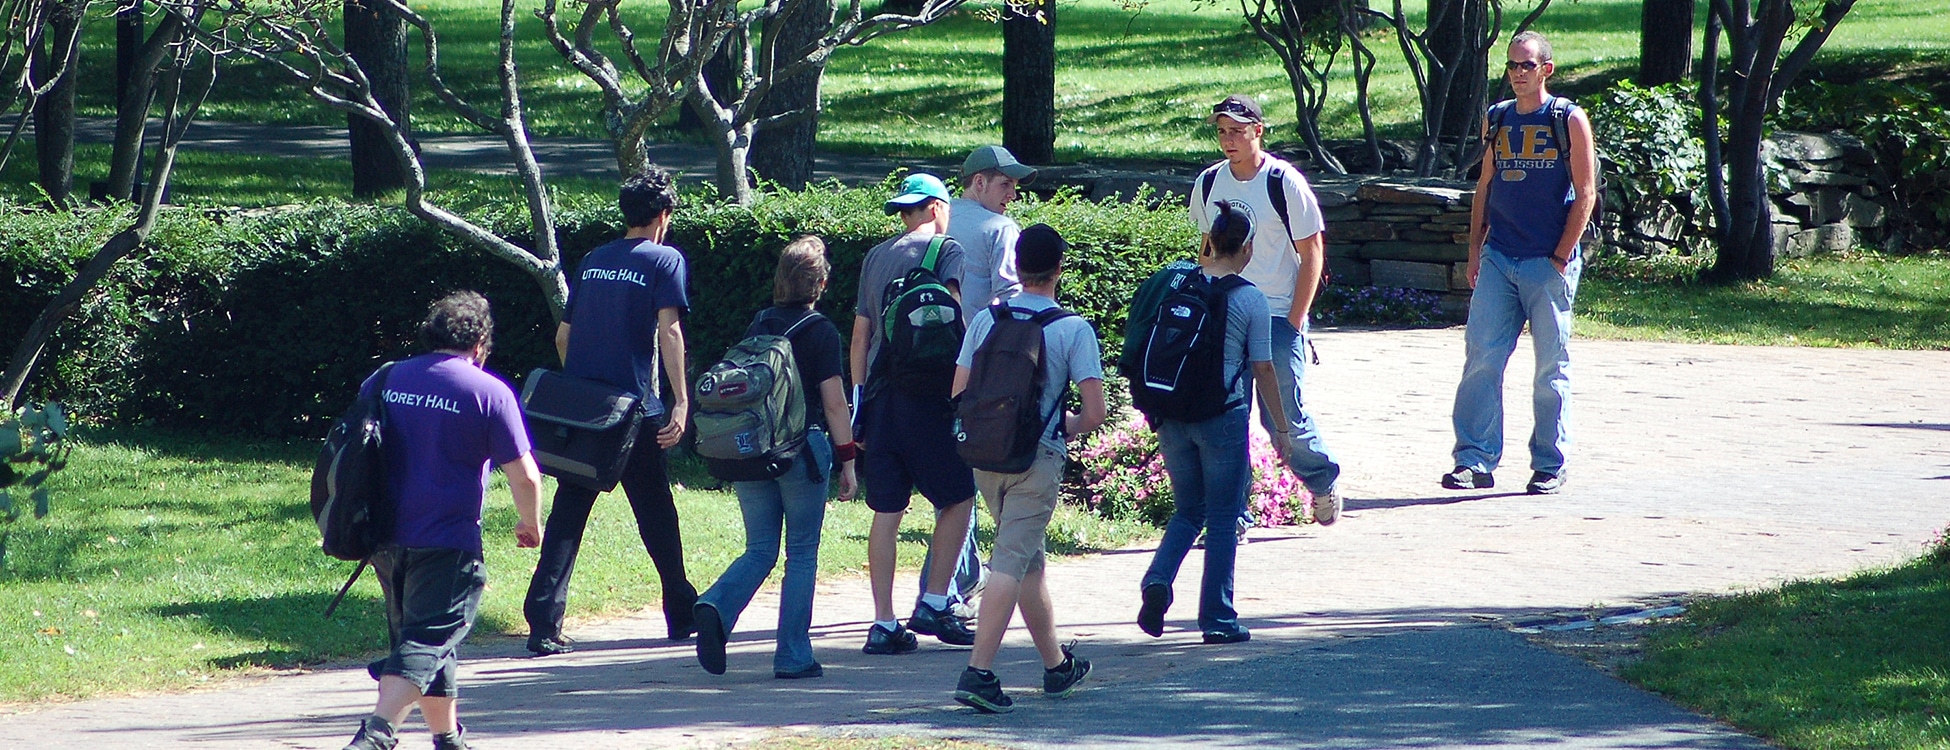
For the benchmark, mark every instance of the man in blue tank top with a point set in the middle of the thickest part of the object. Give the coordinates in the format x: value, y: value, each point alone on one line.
x: 1535, y: 195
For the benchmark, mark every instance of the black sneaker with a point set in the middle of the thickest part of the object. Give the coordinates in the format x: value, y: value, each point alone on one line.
x: 942, y: 624
x: 1062, y: 680
x: 981, y: 690
x: 710, y: 639
x: 1465, y: 478
x: 1151, y: 616
x: 1217, y: 637
x: 883, y: 641
x: 1544, y: 483
x: 550, y: 645
x: 805, y: 673
x: 374, y: 734
x: 451, y: 741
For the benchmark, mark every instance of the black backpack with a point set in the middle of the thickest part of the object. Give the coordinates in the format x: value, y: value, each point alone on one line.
x: 348, y: 485
x: 999, y: 417
x: 921, y: 329
x: 1181, y: 368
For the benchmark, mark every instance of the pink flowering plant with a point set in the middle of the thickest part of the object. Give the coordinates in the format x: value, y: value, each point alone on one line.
x: 1122, y: 476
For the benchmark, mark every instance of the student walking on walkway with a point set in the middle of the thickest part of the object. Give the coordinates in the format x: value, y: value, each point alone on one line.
x: 623, y: 320
x: 1534, y: 198
x: 794, y: 504
x: 446, y: 422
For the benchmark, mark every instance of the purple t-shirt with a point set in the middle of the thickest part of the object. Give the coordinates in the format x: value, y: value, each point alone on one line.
x: 612, y: 312
x: 447, y: 423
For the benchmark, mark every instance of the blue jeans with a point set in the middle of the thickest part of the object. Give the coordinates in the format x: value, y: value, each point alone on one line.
x: 1510, y: 292
x: 798, y: 501
x: 1210, y: 474
x: 1309, y: 460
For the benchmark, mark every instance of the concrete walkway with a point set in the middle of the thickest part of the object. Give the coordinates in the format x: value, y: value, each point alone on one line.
x: 1699, y: 469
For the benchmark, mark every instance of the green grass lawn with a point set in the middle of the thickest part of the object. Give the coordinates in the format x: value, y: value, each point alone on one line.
x: 171, y: 561
x: 1866, y: 299
x: 1133, y: 78
x: 1852, y: 663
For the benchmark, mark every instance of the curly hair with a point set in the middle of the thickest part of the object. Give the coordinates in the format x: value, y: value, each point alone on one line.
x: 458, y: 322
x: 646, y: 196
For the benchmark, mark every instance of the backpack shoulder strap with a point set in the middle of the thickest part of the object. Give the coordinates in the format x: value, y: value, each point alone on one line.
x: 1276, y: 194
x: 1205, y: 180
x: 933, y: 258
x: 1225, y: 284
x: 1046, y: 317
x: 809, y: 318
x: 1560, y: 108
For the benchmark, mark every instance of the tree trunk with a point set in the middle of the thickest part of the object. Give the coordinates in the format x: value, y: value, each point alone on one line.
x: 375, y: 37
x: 784, y: 153
x: 132, y: 110
x: 734, y: 160
x: 1665, y: 42
x: 1029, y: 81
x: 717, y: 75
x: 54, y: 113
x: 128, y: 46
x: 1454, y: 43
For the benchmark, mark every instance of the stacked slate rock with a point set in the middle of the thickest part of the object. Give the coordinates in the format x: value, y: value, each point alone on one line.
x: 1828, y: 196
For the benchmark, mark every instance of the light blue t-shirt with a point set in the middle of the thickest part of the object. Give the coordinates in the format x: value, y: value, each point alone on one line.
x: 1070, y: 349
x: 1249, y: 337
x: 988, y: 240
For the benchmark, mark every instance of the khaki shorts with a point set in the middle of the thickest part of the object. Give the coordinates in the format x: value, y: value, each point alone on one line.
x: 1021, y: 505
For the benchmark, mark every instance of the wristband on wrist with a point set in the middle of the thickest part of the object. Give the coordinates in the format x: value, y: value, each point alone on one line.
x: 847, y: 452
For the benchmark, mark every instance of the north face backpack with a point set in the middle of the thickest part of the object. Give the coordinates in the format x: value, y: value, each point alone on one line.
x: 750, y: 408
x: 1182, y: 362
x: 348, y: 484
x: 921, y: 329
x: 1143, y: 312
x: 999, y: 417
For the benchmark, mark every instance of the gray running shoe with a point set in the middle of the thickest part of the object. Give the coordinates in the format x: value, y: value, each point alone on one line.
x: 1061, y: 681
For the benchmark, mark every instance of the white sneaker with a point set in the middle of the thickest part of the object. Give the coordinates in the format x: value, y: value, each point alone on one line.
x: 1327, y: 508
x: 1243, y: 526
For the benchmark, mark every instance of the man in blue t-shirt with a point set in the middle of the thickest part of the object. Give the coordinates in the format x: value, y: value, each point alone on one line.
x: 626, y: 303
x: 1535, y: 195
x: 446, y: 422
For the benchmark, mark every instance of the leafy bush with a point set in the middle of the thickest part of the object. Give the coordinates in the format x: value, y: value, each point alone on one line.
x: 1370, y: 305
x: 1655, y: 162
x: 1907, y: 127
x: 263, y: 322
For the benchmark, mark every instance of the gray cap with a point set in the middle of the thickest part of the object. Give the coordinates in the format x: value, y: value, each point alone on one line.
x: 997, y: 158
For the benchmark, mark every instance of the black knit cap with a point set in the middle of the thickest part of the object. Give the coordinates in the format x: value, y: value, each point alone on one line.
x: 1039, y: 249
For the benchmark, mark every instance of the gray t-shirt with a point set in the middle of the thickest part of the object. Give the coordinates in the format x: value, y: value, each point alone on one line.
x: 891, y: 260
x: 1249, y: 336
x: 990, y: 241
x: 1072, y: 354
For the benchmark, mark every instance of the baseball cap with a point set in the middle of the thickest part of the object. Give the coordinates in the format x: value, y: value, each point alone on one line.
x: 1239, y: 107
x: 997, y: 158
x: 1039, y: 249
x: 917, y: 189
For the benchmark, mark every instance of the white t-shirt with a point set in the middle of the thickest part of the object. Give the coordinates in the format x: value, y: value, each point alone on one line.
x: 988, y: 240
x: 1275, y: 266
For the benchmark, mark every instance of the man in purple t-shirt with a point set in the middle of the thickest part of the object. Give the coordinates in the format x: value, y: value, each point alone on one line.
x: 626, y: 302
x: 446, y: 422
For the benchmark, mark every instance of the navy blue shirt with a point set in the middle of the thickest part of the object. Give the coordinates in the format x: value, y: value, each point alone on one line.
x: 1530, y: 190
x: 612, y: 313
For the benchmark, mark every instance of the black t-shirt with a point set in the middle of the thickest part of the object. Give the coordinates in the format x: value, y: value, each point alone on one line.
x: 816, y: 347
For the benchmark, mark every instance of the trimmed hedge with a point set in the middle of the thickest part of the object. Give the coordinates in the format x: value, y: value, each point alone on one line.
x: 263, y: 322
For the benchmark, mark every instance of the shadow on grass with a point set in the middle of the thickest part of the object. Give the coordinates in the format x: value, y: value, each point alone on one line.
x: 289, y: 630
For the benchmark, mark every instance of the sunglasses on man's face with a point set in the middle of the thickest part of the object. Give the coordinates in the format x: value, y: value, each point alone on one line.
x: 1525, y: 66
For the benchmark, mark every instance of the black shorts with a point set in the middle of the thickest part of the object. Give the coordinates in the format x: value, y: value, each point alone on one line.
x: 432, y: 597
x: 911, y: 446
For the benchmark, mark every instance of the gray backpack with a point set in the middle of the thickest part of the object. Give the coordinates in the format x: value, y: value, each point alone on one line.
x: 750, y: 408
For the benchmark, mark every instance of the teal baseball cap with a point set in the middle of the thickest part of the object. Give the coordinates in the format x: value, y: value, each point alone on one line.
x: 917, y: 189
